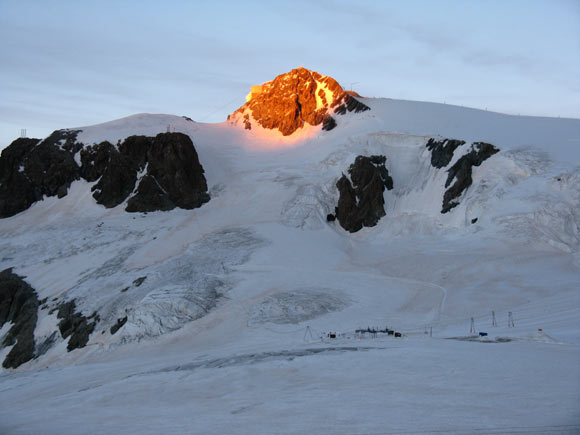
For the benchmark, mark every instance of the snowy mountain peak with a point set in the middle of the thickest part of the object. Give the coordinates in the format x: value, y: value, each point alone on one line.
x: 204, y: 269
x: 294, y: 99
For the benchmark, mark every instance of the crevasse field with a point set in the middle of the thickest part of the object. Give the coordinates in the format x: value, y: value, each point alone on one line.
x: 228, y: 333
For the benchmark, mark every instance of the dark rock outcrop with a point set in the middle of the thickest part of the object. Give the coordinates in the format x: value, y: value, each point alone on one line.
x: 295, y: 98
x: 75, y: 325
x: 361, y: 202
x: 117, y: 180
x: 94, y: 160
x: 173, y: 162
x: 442, y: 151
x: 118, y: 325
x: 19, y: 306
x: 461, y: 171
x: 150, y: 196
x: 174, y: 176
x: 17, y: 192
x: 171, y: 174
x: 351, y: 104
x: 137, y: 282
x: 329, y: 123
x: 30, y: 169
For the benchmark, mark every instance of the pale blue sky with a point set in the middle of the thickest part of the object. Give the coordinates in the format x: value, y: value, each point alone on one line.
x: 74, y: 63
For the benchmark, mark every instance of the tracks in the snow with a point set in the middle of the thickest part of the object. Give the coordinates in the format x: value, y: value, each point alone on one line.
x: 258, y: 357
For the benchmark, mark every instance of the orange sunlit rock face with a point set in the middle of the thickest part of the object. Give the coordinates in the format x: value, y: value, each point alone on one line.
x: 294, y: 99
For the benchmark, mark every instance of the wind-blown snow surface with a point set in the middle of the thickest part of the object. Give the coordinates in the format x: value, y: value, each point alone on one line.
x: 227, y: 332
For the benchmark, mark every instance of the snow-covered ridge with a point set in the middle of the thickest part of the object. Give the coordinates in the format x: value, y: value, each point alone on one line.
x: 244, y: 287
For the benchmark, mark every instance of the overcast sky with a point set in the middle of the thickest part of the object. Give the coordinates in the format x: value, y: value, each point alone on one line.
x: 74, y: 63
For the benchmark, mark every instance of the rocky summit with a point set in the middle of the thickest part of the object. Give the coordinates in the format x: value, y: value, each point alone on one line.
x: 294, y: 99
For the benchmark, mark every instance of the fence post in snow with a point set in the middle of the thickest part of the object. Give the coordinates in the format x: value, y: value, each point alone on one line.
x: 511, y: 323
x: 493, y: 321
x: 472, y: 327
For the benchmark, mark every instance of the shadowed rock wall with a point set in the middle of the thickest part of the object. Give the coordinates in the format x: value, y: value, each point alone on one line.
x: 361, y: 202
x: 155, y: 173
x: 19, y: 306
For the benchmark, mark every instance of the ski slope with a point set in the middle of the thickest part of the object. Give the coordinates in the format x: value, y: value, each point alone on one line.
x: 228, y: 333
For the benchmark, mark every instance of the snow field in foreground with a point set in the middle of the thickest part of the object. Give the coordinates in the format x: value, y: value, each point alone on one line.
x: 414, y: 385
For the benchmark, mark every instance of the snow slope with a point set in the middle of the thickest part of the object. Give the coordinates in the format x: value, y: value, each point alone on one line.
x: 227, y: 333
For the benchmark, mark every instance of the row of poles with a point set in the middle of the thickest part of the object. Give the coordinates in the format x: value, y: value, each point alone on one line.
x: 511, y: 322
